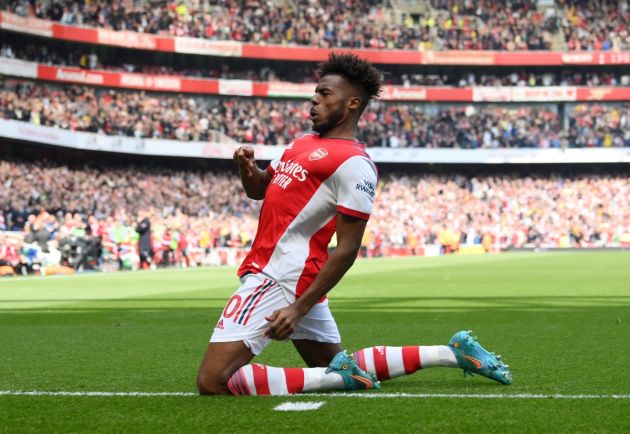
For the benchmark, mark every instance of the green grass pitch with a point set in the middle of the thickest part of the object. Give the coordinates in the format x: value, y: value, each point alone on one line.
x: 561, y: 320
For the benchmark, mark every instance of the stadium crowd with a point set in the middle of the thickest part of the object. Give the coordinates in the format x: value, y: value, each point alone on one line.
x: 87, y: 216
x: 62, y: 211
x: 595, y: 125
x: 487, y: 25
x: 600, y: 25
x: 508, y: 211
x: 144, y: 115
x: 447, y: 24
x: 596, y: 24
x: 87, y: 59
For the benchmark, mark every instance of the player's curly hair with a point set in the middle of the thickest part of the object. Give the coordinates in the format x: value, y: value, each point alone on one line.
x: 358, y: 72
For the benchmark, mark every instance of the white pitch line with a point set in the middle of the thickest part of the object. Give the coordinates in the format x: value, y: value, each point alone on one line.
x: 299, y: 406
x: 473, y: 395
x: 61, y: 393
x: 367, y: 395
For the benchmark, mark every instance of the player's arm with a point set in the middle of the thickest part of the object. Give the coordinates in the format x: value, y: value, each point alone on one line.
x: 350, y: 230
x: 254, y: 179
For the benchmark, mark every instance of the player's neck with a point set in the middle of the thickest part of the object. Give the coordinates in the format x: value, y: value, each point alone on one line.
x: 346, y: 132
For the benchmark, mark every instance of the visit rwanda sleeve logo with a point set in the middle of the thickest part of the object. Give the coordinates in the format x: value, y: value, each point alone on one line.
x: 366, y: 187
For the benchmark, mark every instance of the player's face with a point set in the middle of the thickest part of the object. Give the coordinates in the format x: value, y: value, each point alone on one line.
x: 329, y: 104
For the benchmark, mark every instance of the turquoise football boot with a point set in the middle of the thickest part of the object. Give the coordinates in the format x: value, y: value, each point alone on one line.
x: 354, y: 378
x: 473, y: 358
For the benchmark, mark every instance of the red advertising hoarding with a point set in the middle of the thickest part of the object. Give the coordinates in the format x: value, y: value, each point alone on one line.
x: 170, y: 83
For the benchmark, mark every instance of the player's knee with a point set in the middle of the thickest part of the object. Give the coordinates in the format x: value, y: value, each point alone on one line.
x: 209, y: 385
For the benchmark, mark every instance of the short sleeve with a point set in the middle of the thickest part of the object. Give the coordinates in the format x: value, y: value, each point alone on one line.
x: 273, y: 165
x: 356, y: 187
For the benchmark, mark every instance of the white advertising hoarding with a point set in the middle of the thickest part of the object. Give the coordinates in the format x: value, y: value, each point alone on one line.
x: 173, y: 148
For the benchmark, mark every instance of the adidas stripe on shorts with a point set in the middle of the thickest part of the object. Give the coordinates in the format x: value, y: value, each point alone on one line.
x: 243, y: 318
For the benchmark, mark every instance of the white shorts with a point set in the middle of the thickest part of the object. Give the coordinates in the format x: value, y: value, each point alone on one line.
x: 243, y: 318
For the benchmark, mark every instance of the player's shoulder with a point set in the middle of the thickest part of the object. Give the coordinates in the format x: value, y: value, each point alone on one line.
x: 359, y: 162
x: 356, y: 152
x: 350, y: 155
x: 356, y: 163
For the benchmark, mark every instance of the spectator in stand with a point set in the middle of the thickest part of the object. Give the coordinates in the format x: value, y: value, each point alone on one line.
x: 167, y: 244
x: 448, y: 24
x: 9, y: 255
x: 36, y: 233
x: 182, y: 246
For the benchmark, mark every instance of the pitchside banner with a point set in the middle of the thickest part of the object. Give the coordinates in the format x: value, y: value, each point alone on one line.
x: 173, y: 148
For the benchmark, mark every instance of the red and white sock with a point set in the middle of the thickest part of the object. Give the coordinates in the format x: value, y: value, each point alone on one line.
x: 392, y: 362
x: 256, y: 379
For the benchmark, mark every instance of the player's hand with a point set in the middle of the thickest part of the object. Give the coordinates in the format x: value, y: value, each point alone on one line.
x: 282, y: 323
x: 244, y: 157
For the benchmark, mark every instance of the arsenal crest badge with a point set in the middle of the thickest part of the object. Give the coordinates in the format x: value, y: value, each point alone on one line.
x: 317, y: 154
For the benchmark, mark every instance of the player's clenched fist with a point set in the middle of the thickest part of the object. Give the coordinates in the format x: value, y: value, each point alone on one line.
x: 282, y: 323
x: 244, y: 157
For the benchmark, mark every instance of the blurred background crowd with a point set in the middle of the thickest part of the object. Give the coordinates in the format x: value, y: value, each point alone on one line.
x: 276, y: 122
x: 86, y: 215
x: 442, y: 24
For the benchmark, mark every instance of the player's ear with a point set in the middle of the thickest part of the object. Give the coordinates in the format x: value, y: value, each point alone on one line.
x: 354, y: 103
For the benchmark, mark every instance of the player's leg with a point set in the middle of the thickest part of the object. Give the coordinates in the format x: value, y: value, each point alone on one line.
x: 316, y: 354
x: 387, y: 362
x: 317, y: 340
x: 225, y: 370
x: 463, y: 351
x: 237, y: 337
x: 341, y: 374
x: 221, y: 361
x: 240, y: 333
x: 317, y: 337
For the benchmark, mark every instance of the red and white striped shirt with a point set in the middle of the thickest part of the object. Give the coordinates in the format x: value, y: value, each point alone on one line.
x: 315, y: 179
